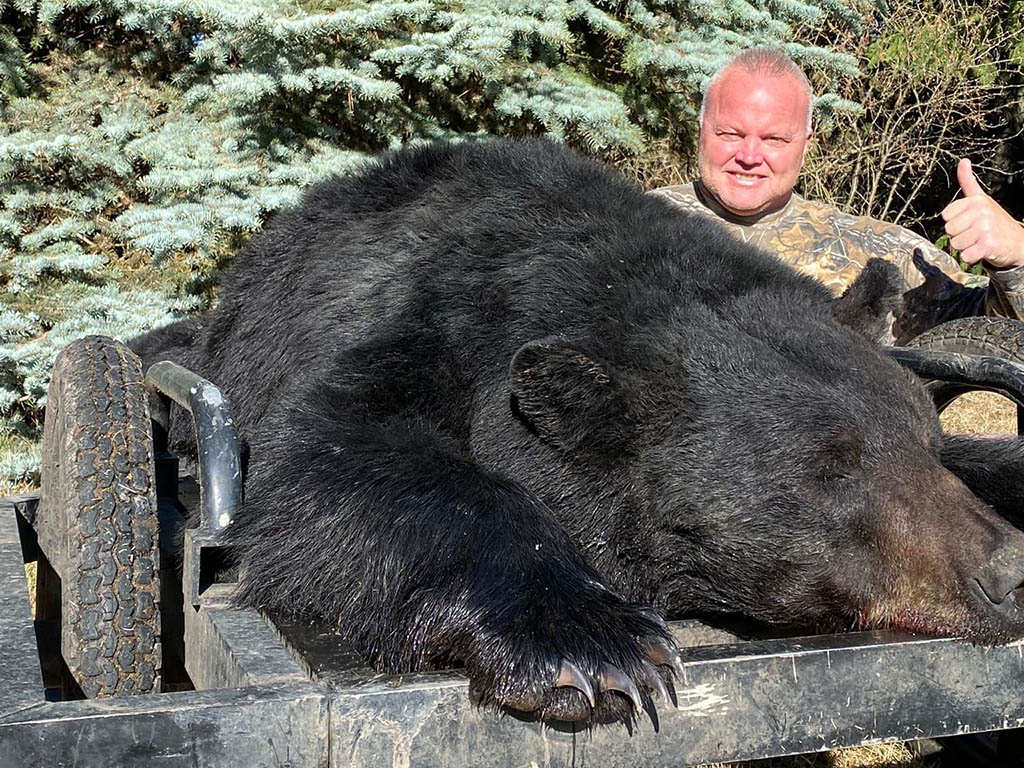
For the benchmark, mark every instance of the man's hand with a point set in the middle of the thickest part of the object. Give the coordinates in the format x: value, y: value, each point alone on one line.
x: 979, y: 228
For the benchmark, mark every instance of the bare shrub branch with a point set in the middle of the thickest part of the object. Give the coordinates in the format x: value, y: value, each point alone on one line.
x: 939, y: 84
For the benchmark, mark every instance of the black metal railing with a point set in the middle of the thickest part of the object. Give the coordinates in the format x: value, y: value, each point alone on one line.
x: 218, y: 447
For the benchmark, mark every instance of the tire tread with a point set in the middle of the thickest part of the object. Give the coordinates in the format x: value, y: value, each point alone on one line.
x: 991, y: 336
x: 98, y: 517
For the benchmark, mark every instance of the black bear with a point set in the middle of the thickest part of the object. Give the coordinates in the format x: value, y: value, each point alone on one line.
x: 506, y: 411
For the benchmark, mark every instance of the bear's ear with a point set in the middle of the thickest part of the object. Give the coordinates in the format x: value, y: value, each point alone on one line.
x: 869, y: 305
x: 570, y: 398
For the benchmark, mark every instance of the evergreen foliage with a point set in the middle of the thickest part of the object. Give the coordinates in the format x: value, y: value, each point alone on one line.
x: 143, y: 142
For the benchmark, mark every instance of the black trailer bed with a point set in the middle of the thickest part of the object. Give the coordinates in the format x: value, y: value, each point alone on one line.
x: 261, y: 706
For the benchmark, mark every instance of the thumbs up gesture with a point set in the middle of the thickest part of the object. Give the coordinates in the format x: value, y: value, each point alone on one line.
x: 979, y: 228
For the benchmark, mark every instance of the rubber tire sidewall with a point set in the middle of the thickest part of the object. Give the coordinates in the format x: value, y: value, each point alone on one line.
x: 986, y: 336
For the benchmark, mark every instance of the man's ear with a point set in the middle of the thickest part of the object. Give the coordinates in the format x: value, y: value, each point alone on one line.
x: 808, y: 142
x: 871, y: 302
x: 572, y: 399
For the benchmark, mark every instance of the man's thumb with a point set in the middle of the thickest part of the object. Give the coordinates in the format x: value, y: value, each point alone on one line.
x: 968, y: 181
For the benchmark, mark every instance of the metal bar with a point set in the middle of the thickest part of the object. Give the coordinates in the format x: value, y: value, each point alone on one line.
x: 21, y: 679
x: 220, y: 465
x: 254, y: 727
x: 736, y: 702
x: 953, y: 374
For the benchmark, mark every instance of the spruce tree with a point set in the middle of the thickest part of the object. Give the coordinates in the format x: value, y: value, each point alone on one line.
x: 143, y: 143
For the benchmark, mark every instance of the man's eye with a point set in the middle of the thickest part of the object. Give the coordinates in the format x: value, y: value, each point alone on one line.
x: 776, y: 141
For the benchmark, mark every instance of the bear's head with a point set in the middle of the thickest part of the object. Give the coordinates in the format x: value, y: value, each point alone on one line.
x: 782, y: 468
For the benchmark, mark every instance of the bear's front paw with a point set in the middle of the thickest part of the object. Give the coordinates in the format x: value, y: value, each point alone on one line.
x: 600, y: 660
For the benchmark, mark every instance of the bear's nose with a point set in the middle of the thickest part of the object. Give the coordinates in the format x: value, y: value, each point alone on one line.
x: 1001, y: 580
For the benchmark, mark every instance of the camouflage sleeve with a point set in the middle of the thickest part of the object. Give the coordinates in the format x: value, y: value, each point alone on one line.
x: 1005, y: 296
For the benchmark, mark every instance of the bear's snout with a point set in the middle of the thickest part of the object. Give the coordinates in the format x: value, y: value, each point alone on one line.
x: 952, y: 565
x: 1000, y: 582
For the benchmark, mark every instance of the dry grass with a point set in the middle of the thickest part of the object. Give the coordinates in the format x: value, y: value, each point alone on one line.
x: 659, y: 164
x: 30, y: 577
x: 876, y: 756
x: 980, y: 413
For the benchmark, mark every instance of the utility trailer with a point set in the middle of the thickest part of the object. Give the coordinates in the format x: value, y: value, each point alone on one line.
x: 131, y: 601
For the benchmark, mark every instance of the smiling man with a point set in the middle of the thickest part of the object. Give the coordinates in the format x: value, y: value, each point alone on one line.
x: 755, y: 128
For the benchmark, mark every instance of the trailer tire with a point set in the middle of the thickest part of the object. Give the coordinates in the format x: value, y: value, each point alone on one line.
x: 97, y: 520
x: 985, y: 336
x: 988, y: 336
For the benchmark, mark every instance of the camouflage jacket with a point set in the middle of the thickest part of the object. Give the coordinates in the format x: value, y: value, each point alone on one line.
x: 823, y: 242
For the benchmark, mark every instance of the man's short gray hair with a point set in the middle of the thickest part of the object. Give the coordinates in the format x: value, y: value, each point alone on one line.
x: 761, y: 61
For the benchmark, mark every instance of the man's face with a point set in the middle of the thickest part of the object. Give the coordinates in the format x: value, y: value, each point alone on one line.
x: 752, y: 141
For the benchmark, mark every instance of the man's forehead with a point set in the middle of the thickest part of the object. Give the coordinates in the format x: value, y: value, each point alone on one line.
x: 746, y: 96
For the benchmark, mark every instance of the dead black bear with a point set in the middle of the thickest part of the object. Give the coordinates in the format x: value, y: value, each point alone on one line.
x: 499, y: 402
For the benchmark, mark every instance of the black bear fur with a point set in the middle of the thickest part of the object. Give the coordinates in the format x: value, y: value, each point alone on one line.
x: 499, y: 401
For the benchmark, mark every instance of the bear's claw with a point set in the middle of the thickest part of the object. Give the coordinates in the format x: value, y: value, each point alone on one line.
x: 570, y: 676
x: 656, y: 684
x: 664, y: 655
x: 614, y: 679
